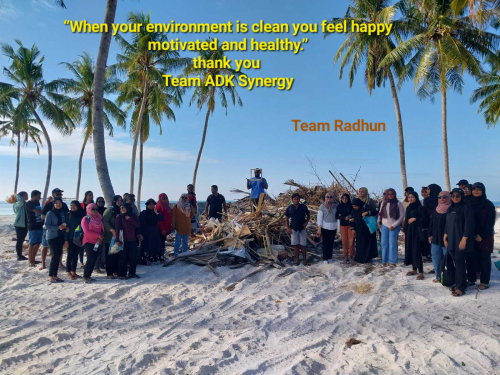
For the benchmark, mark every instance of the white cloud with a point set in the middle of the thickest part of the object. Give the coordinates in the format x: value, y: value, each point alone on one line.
x: 116, y: 149
x: 8, y: 11
x: 47, y: 3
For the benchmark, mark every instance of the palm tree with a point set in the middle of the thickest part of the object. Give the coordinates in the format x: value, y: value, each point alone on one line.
x: 33, y: 93
x: 82, y: 90
x: 371, y: 49
x: 144, y: 67
x: 156, y: 106
x: 440, y: 54
x: 17, y: 129
x: 489, y: 94
x: 98, y: 105
x: 206, y: 94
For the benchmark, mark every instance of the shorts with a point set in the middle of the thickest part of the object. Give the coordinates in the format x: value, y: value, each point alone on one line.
x: 299, y: 237
x: 35, y: 236
x: 44, y: 240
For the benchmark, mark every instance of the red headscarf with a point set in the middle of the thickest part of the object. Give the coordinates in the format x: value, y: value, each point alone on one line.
x: 165, y: 206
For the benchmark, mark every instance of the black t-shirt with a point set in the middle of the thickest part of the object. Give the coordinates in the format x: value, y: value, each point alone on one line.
x: 215, y: 203
x: 34, y: 220
x: 298, y: 216
x: 49, y: 206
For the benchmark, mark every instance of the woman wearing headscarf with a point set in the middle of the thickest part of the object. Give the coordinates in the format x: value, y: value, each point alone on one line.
x: 88, y: 198
x: 127, y: 222
x: 55, y: 225
x: 437, y: 226
x: 424, y: 193
x: 327, y: 225
x: 108, y: 220
x: 100, y: 263
x: 390, y: 218
x: 406, y: 202
x: 100, y: 202
x: 76, y: 213
x: 151, y: 244
x: 20, y: 223
x: 93, y: 236
x: 484, y: 222
x: 365, y: 197
x: 164, y: 226
x: 415, y: 219
x: 459, y: 240
x: 467, y: 192
x: 181, y: 222
x: 430, y: 204
x: 344, y: 214
x: 366, y: 242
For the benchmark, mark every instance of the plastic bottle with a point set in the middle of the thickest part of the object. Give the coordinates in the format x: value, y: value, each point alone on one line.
x: 96, y: 246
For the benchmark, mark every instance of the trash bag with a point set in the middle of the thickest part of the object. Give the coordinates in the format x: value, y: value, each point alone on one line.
x: 371, y: 222
x: 447, y: 270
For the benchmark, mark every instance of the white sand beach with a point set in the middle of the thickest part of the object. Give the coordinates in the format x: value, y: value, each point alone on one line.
x: 181, y: 320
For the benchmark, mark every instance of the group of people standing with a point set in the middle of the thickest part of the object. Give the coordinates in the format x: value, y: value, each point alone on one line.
x: 91, y: 228
x: 460, y: 222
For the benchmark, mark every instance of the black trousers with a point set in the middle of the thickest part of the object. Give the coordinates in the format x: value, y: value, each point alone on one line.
x: 101, y: 258
x: 20, y: 237
x: 464, y: 268
x: 55, y: 246
x: 72, y: 258
x: 163, y: 240
x: 91, y: 259
x: 129, y: 255
x: 483, y: 260
x: 328, y: 238
x: 111, y: 261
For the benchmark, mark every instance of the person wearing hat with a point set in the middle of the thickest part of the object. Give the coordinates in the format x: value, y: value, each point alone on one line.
x: 56, y: 193
x: 459, y: 240
x: 258, y: 186
x: 484, y: 222
x: 462, y: 183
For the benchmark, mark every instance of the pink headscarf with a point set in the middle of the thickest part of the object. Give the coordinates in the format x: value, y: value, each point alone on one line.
x: 95, y: 220
x: 443, y: 204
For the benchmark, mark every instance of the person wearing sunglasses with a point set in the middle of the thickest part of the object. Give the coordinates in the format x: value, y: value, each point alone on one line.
x: 390, y: 218
x: 93, y: 236
x: 182, y: 213
x: 327, y: 225
x: 484, y: 219
x: 131, y: 200
x: 100, y: 203
x: 344, y: 215
x: 437, y: 226
x: 415, y: 220
x: 151, y: 246
x: 459, y: 240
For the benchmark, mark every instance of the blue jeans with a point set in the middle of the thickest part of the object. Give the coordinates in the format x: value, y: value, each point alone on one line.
x: 438, y: 253
x: 389, y: 244
x: 185, y: 242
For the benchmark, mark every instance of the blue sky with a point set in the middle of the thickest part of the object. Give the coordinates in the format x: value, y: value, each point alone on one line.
x: 259, y: 134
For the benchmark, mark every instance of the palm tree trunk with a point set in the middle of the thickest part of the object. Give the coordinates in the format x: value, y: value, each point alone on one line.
x: 18, y: 161
x: 402, y: 160
x: 138, y: 131
x: 49, y: 148
x: 80, y: 166
x: 201, y: 148
x: 141, y: 169
x: 98, y: 104
x: 445, y: 139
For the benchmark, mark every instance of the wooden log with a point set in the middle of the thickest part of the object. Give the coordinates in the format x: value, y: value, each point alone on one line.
x: 263, y: 268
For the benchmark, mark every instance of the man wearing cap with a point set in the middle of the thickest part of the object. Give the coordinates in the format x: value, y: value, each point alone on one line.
x: 258, y: 186
x: 462, y: 183
x: 56, y: 193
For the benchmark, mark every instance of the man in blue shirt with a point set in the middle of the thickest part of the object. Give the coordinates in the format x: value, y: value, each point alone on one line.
x: 258, y: 186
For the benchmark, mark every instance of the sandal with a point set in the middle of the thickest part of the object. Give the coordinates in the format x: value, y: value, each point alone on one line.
x: 111, y: 277
x: 436, y: 281
x: 482, y: 286
x: 411, y: 273
x: 420, y: 276
x: 457, y: 293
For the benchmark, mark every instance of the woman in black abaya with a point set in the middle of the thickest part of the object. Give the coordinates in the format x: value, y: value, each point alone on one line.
x: 415, y: 220
x: 366, y: 242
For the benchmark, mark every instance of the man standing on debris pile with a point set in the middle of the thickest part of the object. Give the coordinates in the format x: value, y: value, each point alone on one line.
x: 215, y: 202
x: 258, y: 186
x: 298, y: 214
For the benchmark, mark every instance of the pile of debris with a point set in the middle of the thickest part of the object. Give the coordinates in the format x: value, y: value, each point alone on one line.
x: 258, y: 236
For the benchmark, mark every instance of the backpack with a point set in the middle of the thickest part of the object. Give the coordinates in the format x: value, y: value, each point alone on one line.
x: 78, y: 236
x: 447, y: 270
